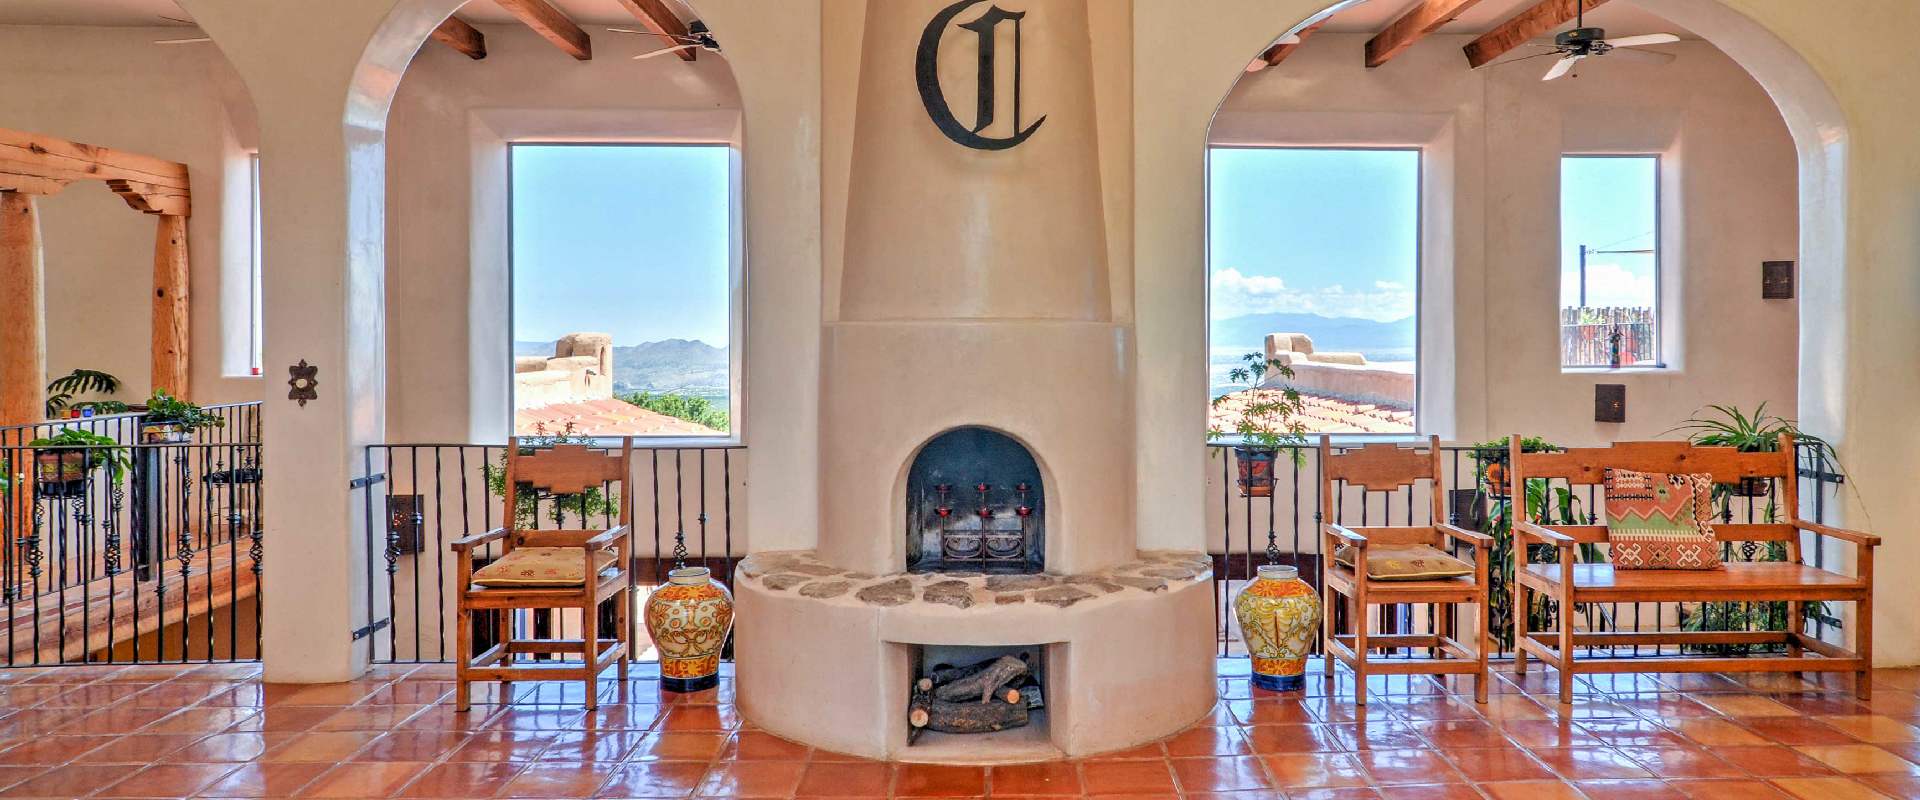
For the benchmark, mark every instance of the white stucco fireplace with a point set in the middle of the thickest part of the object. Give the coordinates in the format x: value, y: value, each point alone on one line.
x: 977, y: 357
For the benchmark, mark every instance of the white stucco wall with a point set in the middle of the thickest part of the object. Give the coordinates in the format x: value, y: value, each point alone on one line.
x: 113, y: 87
x: 1490, y: 300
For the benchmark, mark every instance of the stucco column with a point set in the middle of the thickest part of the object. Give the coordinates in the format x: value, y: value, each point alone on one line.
x: 322, y: 110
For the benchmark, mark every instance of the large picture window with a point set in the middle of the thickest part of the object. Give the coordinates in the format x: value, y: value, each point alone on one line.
x: 623, y: 281
x: 1313, y: 258
x: 1609, y: 261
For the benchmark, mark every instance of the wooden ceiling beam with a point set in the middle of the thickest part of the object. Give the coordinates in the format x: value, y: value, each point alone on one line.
x: 655, y: 16
x: 1538, y: 19
x: 1422, y: 19
x: 552, y: 25
x: 1279, y: 52
x: 457, y: 34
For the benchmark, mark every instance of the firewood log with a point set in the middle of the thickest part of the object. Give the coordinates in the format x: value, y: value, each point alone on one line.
x: 980, y: 686
x: 969, y: 717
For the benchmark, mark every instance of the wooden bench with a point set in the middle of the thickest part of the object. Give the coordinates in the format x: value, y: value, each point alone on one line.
x: 1378, y: 468
x: 1572, y: 584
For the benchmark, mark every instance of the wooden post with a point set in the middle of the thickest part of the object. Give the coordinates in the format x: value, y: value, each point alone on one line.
x: 23, y: 312
x: 170, y: 329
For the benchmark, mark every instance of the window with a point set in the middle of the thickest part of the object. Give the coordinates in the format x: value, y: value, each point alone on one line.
x: 1319, y: 249
x: 255, y: 353
x: 1609, y: 261
x: 622, y: 285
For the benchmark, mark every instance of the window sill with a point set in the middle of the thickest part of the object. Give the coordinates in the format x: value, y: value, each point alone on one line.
x: 1633, y: 370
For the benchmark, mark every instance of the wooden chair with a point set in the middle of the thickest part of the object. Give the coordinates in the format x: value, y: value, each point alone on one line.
x: 523, y: 575
x: 1572, y: 584
x: 1385, y: 468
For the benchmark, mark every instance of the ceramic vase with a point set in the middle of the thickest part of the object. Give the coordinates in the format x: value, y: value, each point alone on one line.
x: 1278, y: 615
x: 689, y: 617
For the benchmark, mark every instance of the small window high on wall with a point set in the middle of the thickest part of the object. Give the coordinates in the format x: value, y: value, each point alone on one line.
x: 1609, y: 261
x: 623, y: 281
x: 1314, y: 261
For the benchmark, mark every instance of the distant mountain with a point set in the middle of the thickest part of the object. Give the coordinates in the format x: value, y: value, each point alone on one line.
x: 665, y: 365
x: 1328, y: 333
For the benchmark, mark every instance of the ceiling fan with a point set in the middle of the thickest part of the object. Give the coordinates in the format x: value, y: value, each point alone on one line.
x: 188, y: 40
x: 1575, y: 45
x: 697, y: 36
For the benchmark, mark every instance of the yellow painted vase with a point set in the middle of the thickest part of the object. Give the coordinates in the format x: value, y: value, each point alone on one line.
x: 689, y: 617
x: 1278, y: 615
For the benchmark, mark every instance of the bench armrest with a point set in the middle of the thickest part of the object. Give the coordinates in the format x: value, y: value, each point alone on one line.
x: 1345, y: 534
x: 1460, y: 534
x: 606, y: 538
x: 1856, y: 537
x: 1552, y: 537
x: 466, y: 544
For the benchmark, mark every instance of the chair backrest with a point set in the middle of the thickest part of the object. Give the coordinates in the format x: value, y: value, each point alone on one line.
x: 1381, y: 467
x: 1587, y: 466
x: 569, y: 469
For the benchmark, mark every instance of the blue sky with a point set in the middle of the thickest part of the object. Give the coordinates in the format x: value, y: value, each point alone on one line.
x: 1608, y: 204
x: 625, y: 240
x: 1329, y: 232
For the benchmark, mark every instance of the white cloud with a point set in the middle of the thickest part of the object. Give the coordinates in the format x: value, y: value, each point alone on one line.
x: 1235, y: 294
x: 1610, y: 285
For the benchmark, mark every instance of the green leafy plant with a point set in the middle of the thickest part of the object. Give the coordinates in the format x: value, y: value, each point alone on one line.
x: 98, y: 449
x: 62, y: 390
x: 527, y: 501
x: 697, y: 410
x: 1266, y: 419
x: 164, y: 408
x: 1755, y: 432
x: 1544, y: 504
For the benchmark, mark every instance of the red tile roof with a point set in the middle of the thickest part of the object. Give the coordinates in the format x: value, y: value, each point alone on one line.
x: 1324, y: 415
x: 606, y: 417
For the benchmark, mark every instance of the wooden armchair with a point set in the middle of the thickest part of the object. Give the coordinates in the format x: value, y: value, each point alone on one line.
x: 1572, y: 584
x: 575, y: 570
x: 1384, y: 469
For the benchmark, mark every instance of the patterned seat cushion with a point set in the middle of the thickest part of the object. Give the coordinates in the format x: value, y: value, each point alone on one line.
x: 542, y: 566
x: 1660, y: 520
x: 1414, y: 562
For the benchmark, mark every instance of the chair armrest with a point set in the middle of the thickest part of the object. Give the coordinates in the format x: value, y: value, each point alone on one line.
x: 606, y: 538
x: 1856, y: 537
x: 466, y: 544
x: 1345, y: 534
x: 1552, y: 537
x: 1460, y: 534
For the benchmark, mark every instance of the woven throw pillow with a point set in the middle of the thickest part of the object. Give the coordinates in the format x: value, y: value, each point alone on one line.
x: 1416, y: 562
x: 1660, y: 520
x: 542, y: 566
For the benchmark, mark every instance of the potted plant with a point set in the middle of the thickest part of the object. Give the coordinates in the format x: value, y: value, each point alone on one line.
x: 1756, y: 432
x: 1264, y: 420
x: 62, y: 390
x: 62, y: 462
x: 170, y: 420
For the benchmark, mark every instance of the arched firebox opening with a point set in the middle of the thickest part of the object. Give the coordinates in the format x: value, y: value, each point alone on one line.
x: 975, y: 503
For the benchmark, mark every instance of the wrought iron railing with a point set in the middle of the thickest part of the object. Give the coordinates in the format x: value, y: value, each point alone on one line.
x: 1288, y: 516
x: 131, y: 552
x: 421, y: 497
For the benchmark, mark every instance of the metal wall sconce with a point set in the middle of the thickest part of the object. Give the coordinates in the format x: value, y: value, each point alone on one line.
x: 1776, y: 280
x: 1610, y: 402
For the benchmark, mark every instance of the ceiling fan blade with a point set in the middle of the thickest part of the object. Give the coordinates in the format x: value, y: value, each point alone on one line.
x: 195, y: 40
x: 1643, y: 40
x: 665, y: 50
x: 1647, y: 56
x: 1562, y: 67
x: 674, y: 36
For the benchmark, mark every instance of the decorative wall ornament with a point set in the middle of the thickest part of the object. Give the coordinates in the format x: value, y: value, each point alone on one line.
x: 1610, y: 402
x: 1776, y: 280
x: 302, y: 381
x: 926, y: 67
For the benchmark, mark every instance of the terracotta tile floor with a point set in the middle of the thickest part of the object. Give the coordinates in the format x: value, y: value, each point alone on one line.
x: 217, y: 731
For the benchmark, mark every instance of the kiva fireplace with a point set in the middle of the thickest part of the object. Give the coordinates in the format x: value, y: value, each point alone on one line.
x: 975, y: 501
x: 976, y: 471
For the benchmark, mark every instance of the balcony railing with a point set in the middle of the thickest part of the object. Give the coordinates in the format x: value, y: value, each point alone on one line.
x: 131, y: 552
x: 1607, y: 337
